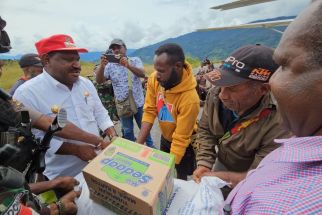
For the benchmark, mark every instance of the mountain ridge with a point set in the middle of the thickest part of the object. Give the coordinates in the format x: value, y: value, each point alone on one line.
x: 214, y: 45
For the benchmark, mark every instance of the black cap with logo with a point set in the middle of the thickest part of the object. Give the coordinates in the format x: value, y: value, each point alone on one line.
x: 30, y: 60
x: 250, y: 62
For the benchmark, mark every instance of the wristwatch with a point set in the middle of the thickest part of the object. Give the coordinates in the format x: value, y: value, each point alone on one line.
x: 61, y: 207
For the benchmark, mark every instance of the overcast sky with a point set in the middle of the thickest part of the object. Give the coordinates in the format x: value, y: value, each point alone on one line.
x: 94, y: 23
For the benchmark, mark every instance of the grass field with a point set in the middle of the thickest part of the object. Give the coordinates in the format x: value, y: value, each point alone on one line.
x: 11, y: 72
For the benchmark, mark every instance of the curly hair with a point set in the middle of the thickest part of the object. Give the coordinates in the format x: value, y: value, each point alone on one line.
x: 174, y: 51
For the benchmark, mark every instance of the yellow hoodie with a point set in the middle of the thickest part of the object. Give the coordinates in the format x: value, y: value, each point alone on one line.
x: 177, y: 110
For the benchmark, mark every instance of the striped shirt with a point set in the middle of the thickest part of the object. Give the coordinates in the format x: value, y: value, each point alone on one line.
x: 287, y: 181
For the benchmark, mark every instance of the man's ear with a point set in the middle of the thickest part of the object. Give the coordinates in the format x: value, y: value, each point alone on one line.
x: 44, y: 59
x: 179, y: 65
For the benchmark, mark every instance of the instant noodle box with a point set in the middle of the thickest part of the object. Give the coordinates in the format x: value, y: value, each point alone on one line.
x: 130, y: 178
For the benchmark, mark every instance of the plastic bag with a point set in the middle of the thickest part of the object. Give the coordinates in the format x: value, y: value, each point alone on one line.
x: 189, y: 197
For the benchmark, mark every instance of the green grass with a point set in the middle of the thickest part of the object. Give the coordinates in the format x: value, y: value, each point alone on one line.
x: 12, y: 72
x: 193, y: 61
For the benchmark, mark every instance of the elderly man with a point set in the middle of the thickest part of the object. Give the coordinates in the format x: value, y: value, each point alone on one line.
x: 171, y: 96
x: 60, y: 85
x: 288, y: 180
x: 31, y: 66
x: 239, y: 117
x: 125, y: 74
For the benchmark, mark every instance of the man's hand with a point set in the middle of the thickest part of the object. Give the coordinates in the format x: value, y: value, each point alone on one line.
x: 104, y: 61
x: 102, y: 145
x: 124, y: 62
x: 66, y: 183
x: 232, y: 178
x: 68, y: 201
x: 198, y: 173
x: 99, y: 71
x: 144, y: 131
x: 86, y: 152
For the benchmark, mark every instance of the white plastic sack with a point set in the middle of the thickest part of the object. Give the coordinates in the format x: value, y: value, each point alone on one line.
x: 190, y: 198
x: 85, y: 205
x: 187, y: 197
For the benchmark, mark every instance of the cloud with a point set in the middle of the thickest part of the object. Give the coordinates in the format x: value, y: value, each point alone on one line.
x: 139, y: 23
x: 256, y: 12
x: 130, y: 32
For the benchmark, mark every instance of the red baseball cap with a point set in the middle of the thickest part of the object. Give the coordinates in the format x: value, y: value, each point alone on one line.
x: 58, y: 42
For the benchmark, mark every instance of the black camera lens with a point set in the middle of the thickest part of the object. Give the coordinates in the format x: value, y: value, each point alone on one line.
x: 109, y: 51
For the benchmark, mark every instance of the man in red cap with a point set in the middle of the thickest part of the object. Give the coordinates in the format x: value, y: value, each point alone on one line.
x: 60, y: 85
x: 239, y: 116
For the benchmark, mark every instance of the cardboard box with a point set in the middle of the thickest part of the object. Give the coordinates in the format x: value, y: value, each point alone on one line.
x: 130, y: 178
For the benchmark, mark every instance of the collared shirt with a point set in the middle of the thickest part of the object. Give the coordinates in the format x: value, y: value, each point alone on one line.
x: 118, y: 74
x: 287, y: 181
x: 247, y: 142
x: 83, y: 107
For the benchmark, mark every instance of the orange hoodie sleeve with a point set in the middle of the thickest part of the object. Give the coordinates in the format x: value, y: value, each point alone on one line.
x: 150, y: 106
x: 186, y: 122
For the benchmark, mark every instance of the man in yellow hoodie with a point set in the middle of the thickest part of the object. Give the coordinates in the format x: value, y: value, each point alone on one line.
x: 172, y: 97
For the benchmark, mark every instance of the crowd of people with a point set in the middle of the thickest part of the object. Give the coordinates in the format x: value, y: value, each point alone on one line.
x: 260, y: 128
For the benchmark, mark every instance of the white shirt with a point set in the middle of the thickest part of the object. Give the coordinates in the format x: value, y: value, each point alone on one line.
x: 86, y: 112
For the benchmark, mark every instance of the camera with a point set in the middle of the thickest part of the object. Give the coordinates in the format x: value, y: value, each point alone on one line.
x: 112, y: 58
x: 27, y: 155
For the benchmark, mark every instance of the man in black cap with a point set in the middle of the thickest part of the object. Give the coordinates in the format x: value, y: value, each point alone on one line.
x: 239, y: 122
x: 31, y: 66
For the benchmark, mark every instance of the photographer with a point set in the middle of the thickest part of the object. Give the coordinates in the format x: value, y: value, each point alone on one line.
x: 125, y: 74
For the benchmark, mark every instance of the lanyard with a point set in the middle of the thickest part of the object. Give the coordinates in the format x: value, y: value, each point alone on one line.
x: 244, y: 124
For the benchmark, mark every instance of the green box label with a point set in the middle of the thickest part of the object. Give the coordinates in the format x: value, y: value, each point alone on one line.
x: 126, y: 144
x: 125, y: 169
x: 162, y: 158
